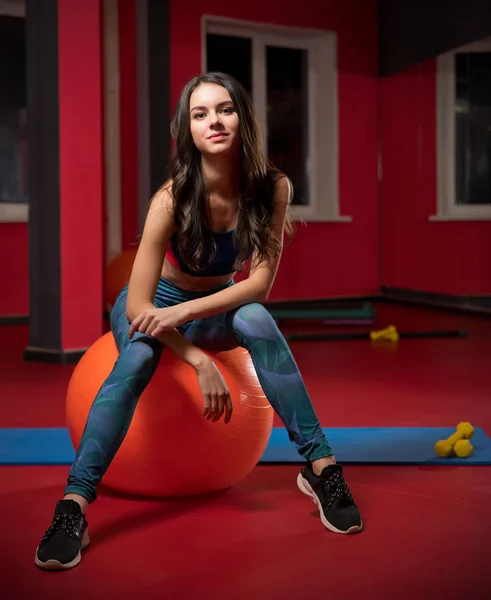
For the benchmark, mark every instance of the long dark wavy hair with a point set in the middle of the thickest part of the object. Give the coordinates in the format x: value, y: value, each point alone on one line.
x: 195, y: 239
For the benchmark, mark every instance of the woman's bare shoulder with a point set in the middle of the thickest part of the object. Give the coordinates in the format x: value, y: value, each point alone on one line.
x: 161, y: 210
x: 283, y: 187
x: 163, y: 196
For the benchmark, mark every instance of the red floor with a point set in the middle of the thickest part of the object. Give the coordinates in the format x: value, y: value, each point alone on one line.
x: 427, y: 529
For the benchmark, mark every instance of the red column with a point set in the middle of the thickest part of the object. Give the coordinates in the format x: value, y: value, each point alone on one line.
x: 80, y: 61
x: 129, y: 122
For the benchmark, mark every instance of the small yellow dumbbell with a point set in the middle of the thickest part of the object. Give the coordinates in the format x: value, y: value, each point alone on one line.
x: 389, y: 334
x: 463, y: 448
x: 464, y: 432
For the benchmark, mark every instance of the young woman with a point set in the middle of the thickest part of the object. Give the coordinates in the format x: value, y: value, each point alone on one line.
x: 223, y: 205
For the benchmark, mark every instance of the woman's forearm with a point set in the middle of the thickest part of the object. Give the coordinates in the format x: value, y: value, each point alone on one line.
x: 241, y: 293
x: 183, y: 348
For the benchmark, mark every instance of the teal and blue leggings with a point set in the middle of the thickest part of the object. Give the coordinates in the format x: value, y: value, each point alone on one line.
x: 250, y: 326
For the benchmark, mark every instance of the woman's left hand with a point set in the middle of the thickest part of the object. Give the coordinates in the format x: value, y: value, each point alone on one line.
x: 158, y: 320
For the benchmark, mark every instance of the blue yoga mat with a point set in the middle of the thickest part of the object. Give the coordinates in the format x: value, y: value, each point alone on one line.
x: 371, y: 445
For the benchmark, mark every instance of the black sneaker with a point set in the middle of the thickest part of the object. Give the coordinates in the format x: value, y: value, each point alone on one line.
x: 66, y: 536
x: 329, y: 491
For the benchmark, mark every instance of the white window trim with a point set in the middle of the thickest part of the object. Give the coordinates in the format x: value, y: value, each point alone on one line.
x: 13, y: 212
x: 323, y: 100
x: 447, y: 207
x: 13, y: 8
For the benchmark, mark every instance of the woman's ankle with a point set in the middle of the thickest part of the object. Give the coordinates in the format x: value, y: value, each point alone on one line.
x: 79, y: 499
x: 320, y: 464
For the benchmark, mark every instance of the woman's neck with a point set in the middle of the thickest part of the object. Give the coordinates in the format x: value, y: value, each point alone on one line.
x: 222, y: 174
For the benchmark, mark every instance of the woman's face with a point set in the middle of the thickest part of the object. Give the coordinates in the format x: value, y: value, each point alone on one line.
x: 214, y: 121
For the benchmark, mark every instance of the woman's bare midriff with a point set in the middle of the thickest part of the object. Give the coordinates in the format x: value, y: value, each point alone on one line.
x: 193, y: 284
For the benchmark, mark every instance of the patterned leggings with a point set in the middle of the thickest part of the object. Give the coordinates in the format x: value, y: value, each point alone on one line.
x: 250, y: 326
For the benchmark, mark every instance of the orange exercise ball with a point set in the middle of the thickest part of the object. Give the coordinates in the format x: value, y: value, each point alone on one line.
x: 170, y: 448
x: 118, y: 273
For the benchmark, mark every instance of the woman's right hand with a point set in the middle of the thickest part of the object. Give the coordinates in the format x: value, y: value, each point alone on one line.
x: 214, y: 389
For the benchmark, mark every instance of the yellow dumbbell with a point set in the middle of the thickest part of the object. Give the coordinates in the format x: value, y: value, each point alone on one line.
x: 464, y: 432
x: 463, y: 448
x: 389, y: 334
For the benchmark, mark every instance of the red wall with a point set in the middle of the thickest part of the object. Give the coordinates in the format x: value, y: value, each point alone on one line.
x: 81, y: 152
x: 327, y: 258
x: 14, y: 269
x: 443, y: 257
x: 81, y: 171
x: 324, y: 259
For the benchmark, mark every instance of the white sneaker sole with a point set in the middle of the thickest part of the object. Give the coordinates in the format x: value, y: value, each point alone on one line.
x: 56, y: 565
x: 305, y: 488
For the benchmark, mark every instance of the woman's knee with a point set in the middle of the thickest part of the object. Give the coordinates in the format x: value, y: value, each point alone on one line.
x: 143, y: 351
x: 255, y: 320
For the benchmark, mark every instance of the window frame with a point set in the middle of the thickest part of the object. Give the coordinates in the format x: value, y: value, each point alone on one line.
x: 322, y: 98
x: 447, y: 207
x: 13, y: 212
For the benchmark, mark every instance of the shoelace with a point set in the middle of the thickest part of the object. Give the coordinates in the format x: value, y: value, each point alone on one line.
x: 337, y: 488
x: 65, y: 521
